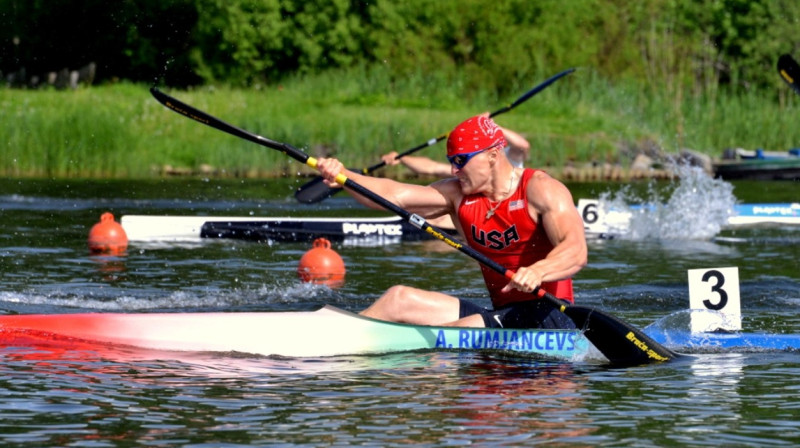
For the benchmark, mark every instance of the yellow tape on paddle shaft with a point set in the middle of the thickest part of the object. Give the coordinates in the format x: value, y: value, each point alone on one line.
x: 787, y: 77
x: 340, y: 178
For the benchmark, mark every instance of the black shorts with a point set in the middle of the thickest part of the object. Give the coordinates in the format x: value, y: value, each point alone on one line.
x: 530, y: 314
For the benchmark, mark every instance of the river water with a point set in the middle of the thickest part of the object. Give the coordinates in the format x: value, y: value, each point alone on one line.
x: 95, y: 396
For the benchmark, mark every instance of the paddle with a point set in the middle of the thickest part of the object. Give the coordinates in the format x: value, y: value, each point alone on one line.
x: 621, y: 343
x: 316, y: 190
x: 789, y: 71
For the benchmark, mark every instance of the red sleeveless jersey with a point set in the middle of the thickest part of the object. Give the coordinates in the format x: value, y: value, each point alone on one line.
x: 510, y: 237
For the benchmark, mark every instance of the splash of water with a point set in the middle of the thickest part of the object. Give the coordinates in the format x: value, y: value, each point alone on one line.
x: 681, y: 321
x: 697, y: 208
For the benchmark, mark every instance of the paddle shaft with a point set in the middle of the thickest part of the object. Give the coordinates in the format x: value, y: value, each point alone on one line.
x: 525, y: 97
x: 636, y: 348
x: 316, y: 190
x: 789, y: 71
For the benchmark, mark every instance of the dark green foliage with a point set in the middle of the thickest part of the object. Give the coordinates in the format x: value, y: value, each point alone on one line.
x: 497, y: 46
x: 127, y: 39
x: 256, y: 41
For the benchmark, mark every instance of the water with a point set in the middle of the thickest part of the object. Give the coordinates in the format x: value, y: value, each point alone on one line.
x: 93, y: 395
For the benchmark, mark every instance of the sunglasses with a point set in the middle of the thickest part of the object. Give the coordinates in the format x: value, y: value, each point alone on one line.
x: 461, y: 160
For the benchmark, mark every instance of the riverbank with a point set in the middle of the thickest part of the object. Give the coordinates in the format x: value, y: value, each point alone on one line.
x: 582, y: 126
x: 641, y: 168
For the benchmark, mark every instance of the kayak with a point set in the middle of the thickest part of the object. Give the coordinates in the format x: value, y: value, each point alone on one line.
x: 762, y: 214
x: 751, y: 214
x: 727, y: 340
x: 777, y: 168
x: 379, y: 230
x: 328, y: 331
x: 331, y: 331
x: 616, y: 221
x: 390, y: 229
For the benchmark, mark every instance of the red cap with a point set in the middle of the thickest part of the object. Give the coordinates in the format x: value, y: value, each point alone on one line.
x: 475, y: 134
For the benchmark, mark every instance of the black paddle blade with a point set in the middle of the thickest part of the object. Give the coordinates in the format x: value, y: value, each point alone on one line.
x: 621, y: 343
x: 314, y: 191
x: 789, y: 71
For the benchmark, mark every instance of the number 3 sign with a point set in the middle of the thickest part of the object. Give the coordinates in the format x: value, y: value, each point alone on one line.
x: 715, y: 290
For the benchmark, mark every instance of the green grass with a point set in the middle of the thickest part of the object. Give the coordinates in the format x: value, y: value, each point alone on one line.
x: 120, y: 131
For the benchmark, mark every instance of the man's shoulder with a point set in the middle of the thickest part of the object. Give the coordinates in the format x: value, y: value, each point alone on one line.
x: 538, y: 173
x: 450, y: 188
x: 543, y: 188
x: 544, y: 178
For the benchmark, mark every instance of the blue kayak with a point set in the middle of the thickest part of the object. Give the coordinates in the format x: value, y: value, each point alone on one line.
x: 723, y: 340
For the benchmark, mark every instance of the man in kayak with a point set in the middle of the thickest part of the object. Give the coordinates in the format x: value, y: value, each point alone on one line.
x: 522, y: 218
x: 517, y: 152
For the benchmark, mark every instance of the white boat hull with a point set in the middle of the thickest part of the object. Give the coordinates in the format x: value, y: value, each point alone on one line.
x: 379, y: 230
x: 616, y: 222
x: 382, y: 230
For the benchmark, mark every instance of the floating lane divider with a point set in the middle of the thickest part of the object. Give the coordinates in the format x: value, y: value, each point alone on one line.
x: 618, y: 341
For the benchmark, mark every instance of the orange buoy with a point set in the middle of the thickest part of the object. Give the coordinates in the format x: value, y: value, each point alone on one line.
x: 322, y: 265
x: 107, y: 236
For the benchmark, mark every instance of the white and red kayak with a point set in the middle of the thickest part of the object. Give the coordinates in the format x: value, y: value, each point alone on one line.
x: 328, y: 331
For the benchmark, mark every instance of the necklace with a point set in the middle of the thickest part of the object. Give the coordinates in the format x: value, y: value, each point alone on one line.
x: 491, y: 211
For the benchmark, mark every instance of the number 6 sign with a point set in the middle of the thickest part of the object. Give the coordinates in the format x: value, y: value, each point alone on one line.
x: 592, y: 215
x: 715, y: 290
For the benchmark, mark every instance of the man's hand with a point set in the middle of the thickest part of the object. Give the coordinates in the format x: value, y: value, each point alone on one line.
x: 390, y: 159
x: 526, y: 279
x: 329, y: 169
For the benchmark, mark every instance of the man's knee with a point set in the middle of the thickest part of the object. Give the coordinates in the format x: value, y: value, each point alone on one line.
x: 398, y: 293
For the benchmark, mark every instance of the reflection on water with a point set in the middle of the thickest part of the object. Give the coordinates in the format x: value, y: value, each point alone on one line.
x: 398, y: 399
x: 111, y: 267
x: 505, y: 401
